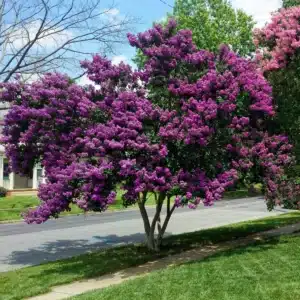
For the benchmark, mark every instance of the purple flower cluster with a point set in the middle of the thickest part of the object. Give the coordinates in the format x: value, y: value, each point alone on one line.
x: 206, y: 190
x: 189, y: 143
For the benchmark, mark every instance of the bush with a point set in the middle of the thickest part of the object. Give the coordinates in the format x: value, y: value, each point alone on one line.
x: 255, y: 189
x: 3, y: 192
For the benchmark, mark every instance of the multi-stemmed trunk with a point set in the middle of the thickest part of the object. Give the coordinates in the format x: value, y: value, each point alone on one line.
x: 154, y: 239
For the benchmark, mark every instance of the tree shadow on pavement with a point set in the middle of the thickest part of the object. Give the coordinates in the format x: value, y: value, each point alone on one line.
x: 60, y: 249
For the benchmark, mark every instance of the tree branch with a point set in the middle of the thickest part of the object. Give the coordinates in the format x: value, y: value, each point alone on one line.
x: 144, y: 214
x: 62, y: 25
x: 156, y: 217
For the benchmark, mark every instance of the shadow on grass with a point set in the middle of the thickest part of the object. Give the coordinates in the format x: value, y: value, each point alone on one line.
x: 31, y: 281
x: 204, y: 255
x: 254, y: 247
x: 195, y: 239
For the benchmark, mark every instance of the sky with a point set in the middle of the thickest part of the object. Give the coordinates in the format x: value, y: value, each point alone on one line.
x: 149, y: 11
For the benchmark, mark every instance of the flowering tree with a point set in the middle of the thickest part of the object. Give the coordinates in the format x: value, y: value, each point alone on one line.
x: 189, y: 143
x: 278, y: 46
x: 279, y: 40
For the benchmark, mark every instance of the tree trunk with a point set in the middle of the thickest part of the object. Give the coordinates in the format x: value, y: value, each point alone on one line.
x: 153, y: 240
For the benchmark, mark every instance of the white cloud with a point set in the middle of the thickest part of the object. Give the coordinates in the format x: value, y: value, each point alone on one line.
x: 29, y: 78
x: 21, y: 36
x: 84, y: 81
x: 111, y: 11
x: 112, y: 16
x: 162, y: 19
x: 260, y: 9
x: 118, y: 58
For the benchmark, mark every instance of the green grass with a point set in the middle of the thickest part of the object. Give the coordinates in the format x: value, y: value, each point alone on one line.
x: 12, y: 207
x: 236, y: 194
x: 35, y: 280
x: 268, y: 270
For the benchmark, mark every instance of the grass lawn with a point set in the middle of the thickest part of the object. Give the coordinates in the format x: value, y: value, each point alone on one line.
x: 11, y: 208
x: 267, y: 270
x: 35, y: 280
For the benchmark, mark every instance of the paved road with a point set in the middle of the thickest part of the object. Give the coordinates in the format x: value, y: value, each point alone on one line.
x: 24, y: 245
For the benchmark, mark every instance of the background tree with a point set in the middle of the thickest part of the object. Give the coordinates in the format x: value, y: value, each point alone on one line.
x: 278, y: 45
x: 290, y: 3
x: 215, y: 22
x: 39, y: 36
x: 190, y: 147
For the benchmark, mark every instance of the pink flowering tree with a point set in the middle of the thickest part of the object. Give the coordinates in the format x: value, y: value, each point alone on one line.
x: 278, y: 41
x: 185, y: 144
x: 278, y: 49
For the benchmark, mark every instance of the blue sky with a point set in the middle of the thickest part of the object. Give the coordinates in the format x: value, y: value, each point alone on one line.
x: 148, y: 11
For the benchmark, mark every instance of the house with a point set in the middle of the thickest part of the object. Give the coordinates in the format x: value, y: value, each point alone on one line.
x: 11, y: 181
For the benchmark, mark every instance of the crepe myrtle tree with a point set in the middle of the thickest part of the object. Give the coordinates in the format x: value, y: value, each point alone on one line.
x: 185, y: 147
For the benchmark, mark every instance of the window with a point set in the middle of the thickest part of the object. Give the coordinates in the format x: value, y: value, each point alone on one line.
x: 39, y: 173
x: 5, y: 169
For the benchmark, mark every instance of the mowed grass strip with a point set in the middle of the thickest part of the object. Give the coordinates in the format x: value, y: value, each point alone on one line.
x: 267, y: 270
x: 36, y: 280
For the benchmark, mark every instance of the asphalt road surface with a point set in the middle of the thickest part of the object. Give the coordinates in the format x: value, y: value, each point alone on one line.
x: 25, y: 245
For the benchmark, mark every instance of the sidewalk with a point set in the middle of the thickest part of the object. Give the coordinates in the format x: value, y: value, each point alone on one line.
x: 76, y: 288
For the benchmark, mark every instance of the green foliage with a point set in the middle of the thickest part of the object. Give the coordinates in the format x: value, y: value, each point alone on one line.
x: 286, y: 92
x: 139, y: 59
x: 294, y: 172
x: 255, y: 189
x: 290, y: 3
x: 216, y: 22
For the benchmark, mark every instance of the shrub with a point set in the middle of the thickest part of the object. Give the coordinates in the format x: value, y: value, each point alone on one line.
x: 3, y: 192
